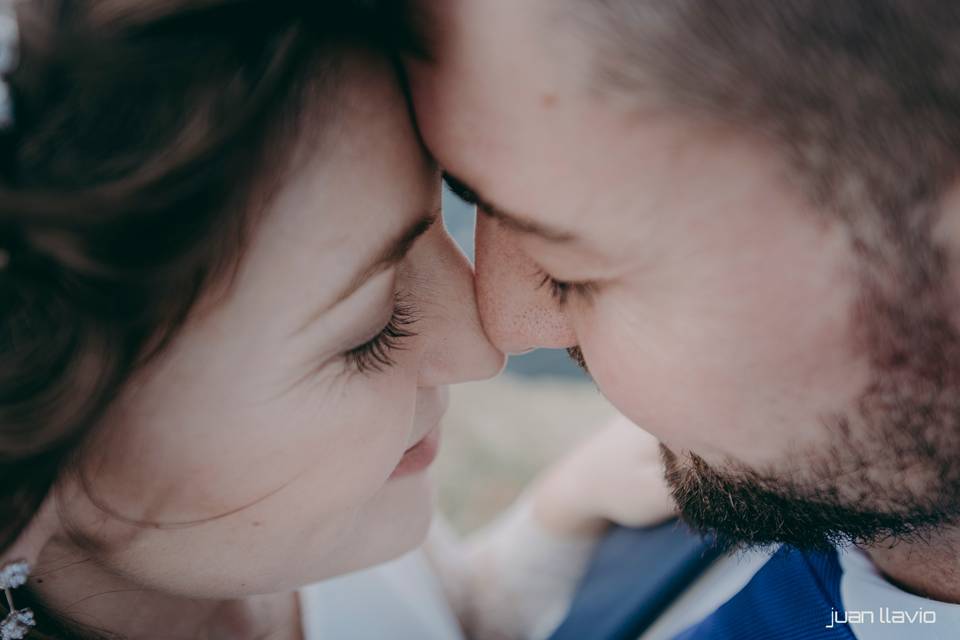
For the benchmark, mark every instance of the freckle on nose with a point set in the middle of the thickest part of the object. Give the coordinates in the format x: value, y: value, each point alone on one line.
x: 548, y: 100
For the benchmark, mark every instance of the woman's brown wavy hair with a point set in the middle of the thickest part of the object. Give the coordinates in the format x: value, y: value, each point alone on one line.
x: 142, y: 128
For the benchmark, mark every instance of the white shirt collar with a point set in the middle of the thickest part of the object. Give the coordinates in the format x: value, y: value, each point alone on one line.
x: 877, y: 610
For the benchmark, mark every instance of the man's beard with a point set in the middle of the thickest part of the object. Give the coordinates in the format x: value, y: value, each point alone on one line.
x: 744, y: 509
x: 890, y: 471
x: 577, y: 356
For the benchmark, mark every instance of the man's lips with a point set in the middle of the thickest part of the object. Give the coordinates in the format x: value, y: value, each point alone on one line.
x: 420, y: 456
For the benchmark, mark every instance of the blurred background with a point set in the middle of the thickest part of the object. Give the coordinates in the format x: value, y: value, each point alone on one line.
x: 499, y: 433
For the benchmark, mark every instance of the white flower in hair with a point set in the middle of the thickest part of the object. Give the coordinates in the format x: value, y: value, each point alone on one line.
x: 14, y: 574
x: 16, y: 625
x: 18, y: 622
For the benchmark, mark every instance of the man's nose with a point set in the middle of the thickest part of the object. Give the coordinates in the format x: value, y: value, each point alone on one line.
x: 517, y: 311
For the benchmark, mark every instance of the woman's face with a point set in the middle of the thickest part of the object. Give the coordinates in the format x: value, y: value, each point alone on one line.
x: 266, y: 448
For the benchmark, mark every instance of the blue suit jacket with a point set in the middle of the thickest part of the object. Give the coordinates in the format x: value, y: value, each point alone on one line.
x: 636, y: 573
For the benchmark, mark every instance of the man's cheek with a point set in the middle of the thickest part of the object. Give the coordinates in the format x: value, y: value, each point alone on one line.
x: 641, y: 374
x: 616, y: 364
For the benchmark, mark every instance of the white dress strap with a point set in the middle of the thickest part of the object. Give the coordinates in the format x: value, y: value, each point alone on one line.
x: 400, y: 600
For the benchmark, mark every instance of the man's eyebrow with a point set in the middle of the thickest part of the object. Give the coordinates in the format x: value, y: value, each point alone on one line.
x: 391, y: 253
x: 519, y: 223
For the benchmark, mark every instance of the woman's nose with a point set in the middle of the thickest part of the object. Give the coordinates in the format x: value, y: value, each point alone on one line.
x: 458, y: 348
x: 517, y: 311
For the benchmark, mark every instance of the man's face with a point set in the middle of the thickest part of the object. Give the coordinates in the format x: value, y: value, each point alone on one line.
x: 713, y: 305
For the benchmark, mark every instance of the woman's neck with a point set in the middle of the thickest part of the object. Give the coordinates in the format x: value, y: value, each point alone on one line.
x: 74, y: 585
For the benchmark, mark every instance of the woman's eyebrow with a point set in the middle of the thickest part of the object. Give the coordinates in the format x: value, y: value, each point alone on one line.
x: 395, y: 249
x: 391, y: 252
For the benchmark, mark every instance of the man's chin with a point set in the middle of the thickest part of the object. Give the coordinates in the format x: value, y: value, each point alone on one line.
x: 743, y: 509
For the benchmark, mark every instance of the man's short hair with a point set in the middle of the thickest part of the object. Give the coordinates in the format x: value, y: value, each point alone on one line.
x: 862, y: 95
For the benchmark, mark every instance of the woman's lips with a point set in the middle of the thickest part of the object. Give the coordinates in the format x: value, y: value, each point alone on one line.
x: 419, y: 456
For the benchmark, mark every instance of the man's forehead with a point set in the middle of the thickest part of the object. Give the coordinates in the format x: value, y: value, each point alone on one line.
x: 484, y: 82
x: 535, y: 144
x: 495, y: 30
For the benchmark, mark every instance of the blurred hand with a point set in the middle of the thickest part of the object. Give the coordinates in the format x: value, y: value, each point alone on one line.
x: 614, y: 476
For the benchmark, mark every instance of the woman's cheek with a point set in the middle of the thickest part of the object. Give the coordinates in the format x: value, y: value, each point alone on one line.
x: 376, y: 433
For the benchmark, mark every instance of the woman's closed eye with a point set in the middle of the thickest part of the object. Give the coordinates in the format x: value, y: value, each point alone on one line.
x: 561, y: 291
x: 377, y: 354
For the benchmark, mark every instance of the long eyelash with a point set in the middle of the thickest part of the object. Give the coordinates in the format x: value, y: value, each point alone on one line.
x: 560, y: 291
x: 376, y: 354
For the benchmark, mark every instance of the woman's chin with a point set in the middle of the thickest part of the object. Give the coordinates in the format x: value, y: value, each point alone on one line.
x: 417, y: 493
x: 394, y: 523
x: 409, y: 526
